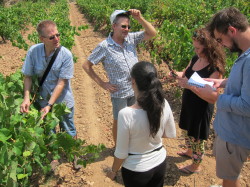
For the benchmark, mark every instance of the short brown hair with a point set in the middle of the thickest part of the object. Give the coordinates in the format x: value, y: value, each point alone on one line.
x: 228, y: 17
x: 43, y: 24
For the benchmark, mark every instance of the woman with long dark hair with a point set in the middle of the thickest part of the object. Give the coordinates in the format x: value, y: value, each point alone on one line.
x: 197, y: 107
x: 139, y: 148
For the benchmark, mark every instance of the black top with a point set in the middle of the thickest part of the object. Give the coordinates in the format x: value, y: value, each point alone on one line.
x: 196, y: 114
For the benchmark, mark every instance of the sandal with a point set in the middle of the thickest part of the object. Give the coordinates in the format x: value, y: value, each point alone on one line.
x: 184, y: 154
x: 187, y: 170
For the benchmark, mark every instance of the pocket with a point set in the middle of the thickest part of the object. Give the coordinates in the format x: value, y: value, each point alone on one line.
x: 229, y: 148
x: 55, y: 71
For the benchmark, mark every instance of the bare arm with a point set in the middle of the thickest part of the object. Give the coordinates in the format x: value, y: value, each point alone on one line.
x: 180, y: 74
x: 87, y: 66
x: 150, y: 31
x: 26, y: 101
x: 207, y: 93
x: 55, y: 95
x: 116, y: 166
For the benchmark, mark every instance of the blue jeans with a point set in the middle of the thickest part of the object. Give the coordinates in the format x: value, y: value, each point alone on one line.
x: 66, y: 123
x: 120, y: 103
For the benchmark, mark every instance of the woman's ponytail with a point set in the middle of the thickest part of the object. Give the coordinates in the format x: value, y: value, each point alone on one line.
x: 151, y: 95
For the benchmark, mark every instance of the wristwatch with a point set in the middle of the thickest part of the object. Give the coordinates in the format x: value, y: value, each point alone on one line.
x: 48, y: 104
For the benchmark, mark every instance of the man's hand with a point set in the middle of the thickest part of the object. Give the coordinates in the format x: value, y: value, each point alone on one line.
x: 218, y: 83
x: 24, y: 108
x: 150, y: 31
x: 45, y: 111
x: 136, y: 14
x: 109, y: 87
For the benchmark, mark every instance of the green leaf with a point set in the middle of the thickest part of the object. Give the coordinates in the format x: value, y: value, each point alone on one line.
x: 3, y: 155
x: 11, y: 183
x: 14, y: 119
x: 13, y: 170
x: 26, y: 153
x: 65, y: 140
x: 10, y: 84
x: 39, y: 130
x: 18, y: 101
x: 67, y: 110
x: 28, y: 168
x: 17, y: 151
x: 21, y: 176
x: 19, y: 170
x: 4, y: 134
x: 5, y: 131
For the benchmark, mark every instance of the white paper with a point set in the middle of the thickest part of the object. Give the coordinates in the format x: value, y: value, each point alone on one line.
x: 197, y: 81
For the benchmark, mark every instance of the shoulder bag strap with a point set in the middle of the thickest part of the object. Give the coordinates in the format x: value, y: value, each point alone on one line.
x: 49, y: 66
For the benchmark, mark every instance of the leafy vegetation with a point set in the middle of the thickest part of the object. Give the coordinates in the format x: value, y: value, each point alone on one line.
x: 27, y: 144
x: 175, y: 20
x: 15, y: 19
x: 12, y: 21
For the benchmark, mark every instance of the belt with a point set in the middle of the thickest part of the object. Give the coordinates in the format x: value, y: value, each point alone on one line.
x: 157, y: 149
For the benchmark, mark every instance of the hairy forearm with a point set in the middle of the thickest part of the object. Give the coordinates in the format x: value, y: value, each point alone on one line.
x: 89, y: 70
x: 27, y: 87
x: 210, y: 98
x: 57, y: 91
x: 150, y: 31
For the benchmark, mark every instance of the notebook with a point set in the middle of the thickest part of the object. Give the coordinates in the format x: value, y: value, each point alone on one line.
x: 197, y: 81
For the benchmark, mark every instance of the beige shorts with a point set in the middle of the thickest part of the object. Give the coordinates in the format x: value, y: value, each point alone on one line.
x: 229, y: 159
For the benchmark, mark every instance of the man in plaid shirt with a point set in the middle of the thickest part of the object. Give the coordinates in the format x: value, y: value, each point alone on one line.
x: 118, y: 55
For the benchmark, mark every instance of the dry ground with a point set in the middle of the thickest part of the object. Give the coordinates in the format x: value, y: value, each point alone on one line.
x: 93, y: 119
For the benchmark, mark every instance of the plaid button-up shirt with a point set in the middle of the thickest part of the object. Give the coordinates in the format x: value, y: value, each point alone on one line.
x: 63, y: 67
x: 118, y: 61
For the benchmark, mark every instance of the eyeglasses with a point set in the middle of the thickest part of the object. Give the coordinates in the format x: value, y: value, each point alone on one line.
x: 126, y: 26
x: 53, y: 37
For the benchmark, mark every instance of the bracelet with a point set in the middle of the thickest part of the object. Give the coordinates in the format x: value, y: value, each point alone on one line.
x: 48, y: 104
x: 113, y: 171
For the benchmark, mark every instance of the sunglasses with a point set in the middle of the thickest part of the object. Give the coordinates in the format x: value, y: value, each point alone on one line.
x: 53, y: 37
x: 197, y: 35
x: 126, y: 26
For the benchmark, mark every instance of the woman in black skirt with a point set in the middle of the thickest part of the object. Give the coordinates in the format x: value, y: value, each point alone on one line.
x: 197, y: 108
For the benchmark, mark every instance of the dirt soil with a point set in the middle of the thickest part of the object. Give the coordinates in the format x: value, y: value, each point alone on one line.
x: 93, y: 119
